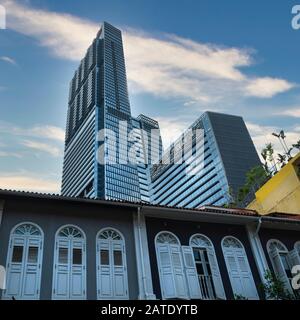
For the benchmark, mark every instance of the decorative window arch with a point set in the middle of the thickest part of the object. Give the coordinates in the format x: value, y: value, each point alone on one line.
x: 112, y: 278
x: 27, y: 229
x: 200, y: 240
x: 166, y: 237
x: 282, y: 261
x: 276, y: 244
x: 238, y: 268
x: 232, y: 242
x: 24, y: 262
x: 110, y: 234
x: 207, y: 267
x: 71, y: 232
x: 69, y: 269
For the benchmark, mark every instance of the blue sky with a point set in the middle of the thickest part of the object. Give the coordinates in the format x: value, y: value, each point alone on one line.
x: 182, y: 57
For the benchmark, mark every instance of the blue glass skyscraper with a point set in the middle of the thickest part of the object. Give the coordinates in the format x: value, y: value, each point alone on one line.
x: 211, y: 176
x: 98, y: 102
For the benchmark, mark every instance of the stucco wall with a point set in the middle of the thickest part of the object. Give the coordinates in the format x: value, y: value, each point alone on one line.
x: 51, y: 215
x: 184, y: 230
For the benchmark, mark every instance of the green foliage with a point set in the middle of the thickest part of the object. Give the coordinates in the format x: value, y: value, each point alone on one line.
x: 254, y: 180
x: 274, y: 288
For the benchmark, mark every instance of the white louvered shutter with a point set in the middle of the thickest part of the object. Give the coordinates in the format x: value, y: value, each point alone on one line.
x: 215, y: 271
x: 178, y: 272
x: 191, y: 273
x: 165, y: 268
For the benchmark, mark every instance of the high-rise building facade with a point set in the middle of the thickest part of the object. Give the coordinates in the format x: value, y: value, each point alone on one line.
x: 215, y: 173
x: 99, y: 125
x: 149, y: 149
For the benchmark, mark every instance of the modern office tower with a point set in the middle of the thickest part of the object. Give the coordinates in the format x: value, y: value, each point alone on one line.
x: 148, y: 143
x: 218, y: 172
x: 98, y: 100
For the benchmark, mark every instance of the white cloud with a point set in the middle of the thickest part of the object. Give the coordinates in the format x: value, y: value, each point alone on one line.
x: 261, y: 135
x: 28, y: 182
x: 267, y: 87
x: 37, y: 131
x: 167, y: 66
x: 8, y: 60
x: 67, y: 36
x: 44, y: 147
x: 10, y: 154
x: 171, y: 129
x: 293, y: 112
x: 49, y: 132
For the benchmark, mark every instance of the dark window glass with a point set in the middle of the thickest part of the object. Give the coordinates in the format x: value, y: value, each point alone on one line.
x: 77, y: 256
x: 205, y: 256
x: 118, y: 258
x: 200, y: 270
x: 197, y: 255
x: 104, y: 257
x: 208, y: 269
x: 17, y: 254
x: 33, y: 254
x: 63, y: 255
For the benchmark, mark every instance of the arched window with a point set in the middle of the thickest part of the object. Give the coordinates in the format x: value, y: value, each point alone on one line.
x: 69, y: 272
x: 208, y: 272
x: 238, y: 268
x: 24, y: 262
x: 112, y: 282
x: 167, y: 238
x: 170, y: 265
x: 282, y: 261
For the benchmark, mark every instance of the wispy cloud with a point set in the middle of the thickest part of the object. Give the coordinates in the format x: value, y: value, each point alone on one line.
x: 37, y: 131
x: 8, y: 60
x: 290, y: 112
x: 10, y: 154
x: 262, y: 134
x: 28, y: 182
x: 171, y: 129
x: 44, y: 147
x: 165, y: 65
x: 267, y: 87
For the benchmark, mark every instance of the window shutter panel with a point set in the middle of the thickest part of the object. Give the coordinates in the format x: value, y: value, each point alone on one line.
x: 191, y: 273
x: 293, y: 258
x: 249, y: 286
x: 32, y: 272
x: 78, y: 276
x: 279, y: 269
x: 120, y: 283
x: 167, y: 281
x: 233, y: 271
x: 104, y: 271
x: 15, y: 270
x: 217, y: 279
x: 61, y: 271
x: 178, y: 272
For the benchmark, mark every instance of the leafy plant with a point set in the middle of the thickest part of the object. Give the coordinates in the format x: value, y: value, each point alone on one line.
x: 255, y: 178
x: 297, y: 145
x: 274, y: 288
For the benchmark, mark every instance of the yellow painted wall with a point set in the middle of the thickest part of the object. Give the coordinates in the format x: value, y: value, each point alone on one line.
x: 281, y: 193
